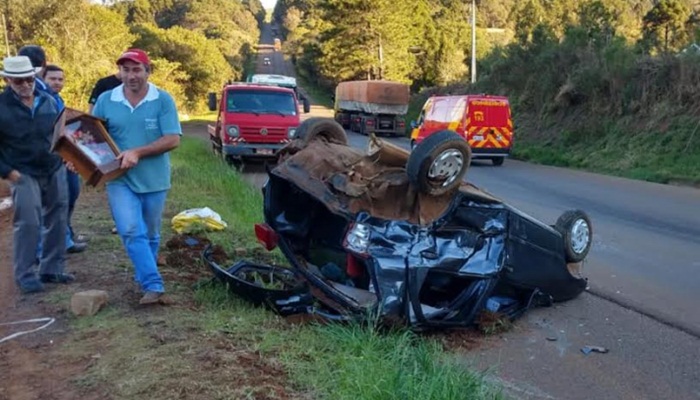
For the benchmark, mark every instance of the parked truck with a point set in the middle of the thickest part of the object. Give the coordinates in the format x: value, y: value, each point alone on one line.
x: 253, y: 120
x: 377, y: 107
x: 483, y: 120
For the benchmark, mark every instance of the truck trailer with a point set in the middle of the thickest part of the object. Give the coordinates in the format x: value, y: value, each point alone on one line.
x: 377, y: 107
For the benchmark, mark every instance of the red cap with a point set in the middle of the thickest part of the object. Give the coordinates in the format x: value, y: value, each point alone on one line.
x: 135, y: 55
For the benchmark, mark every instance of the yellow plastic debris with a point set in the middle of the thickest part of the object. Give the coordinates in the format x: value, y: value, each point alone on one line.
x: 201, y: 216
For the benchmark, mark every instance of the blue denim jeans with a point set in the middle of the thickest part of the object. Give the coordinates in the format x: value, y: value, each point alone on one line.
x: 138, y: 217
x: 73, y: 180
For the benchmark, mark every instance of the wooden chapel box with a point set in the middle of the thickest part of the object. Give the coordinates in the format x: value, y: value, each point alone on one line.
x: 83, y: 140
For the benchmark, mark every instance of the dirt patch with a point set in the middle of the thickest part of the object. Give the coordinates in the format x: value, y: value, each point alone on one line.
x: 68, y: 361
x: 190, y: 247
x: 29, y: 366
x: 260, y: 377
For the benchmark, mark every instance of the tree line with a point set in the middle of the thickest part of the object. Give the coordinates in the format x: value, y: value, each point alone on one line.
x: 540, y: 52
x: 195, y: 45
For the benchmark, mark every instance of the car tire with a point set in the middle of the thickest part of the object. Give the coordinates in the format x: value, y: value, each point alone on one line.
x: 316, y: 127
x: 575, y: 228
x: 438, y: 163
x: 498, y: 161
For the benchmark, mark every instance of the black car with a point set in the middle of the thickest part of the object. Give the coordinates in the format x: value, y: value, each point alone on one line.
x: 400, y: 235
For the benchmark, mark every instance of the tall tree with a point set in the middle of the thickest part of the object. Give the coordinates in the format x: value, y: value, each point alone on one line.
x: 664, y: 26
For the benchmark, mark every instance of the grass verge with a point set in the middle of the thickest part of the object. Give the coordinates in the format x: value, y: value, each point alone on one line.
x: 317, y: 94
x: 211, y: 345
x: 209, y: 116
x: 658, y: 151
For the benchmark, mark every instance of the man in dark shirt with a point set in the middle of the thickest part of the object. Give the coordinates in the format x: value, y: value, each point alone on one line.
x: 37, y: 56
x: 37, y: 177
x: 103, y: 85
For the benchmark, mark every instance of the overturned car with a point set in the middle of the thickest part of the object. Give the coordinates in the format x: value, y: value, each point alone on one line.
x: 400, y: 235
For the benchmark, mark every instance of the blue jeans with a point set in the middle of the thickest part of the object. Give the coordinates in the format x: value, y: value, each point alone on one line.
x: 138, y: 217
x: 73, y: 180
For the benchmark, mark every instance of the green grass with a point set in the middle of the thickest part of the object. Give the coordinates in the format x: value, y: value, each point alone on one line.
x: 622, y: 148
x: 209, y: 116
x: 199, y: 179
x: 348, y: 361
x: 317, y: 94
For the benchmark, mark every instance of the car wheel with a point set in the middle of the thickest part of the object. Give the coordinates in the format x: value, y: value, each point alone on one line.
x: 575, y: 228
x: 327, y: 128
x: 498, y: 161
x: 438, y: 164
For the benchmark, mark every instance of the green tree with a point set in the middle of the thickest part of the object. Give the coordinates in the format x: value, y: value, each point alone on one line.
x: 527, y: 15
x: 598, y: 20
x: 86, y: 48
x: 664, y: 26
x: 205, y: 67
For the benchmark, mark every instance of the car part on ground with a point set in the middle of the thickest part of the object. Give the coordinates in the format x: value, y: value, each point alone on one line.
x: 275, y: 287
x: 368, y: 237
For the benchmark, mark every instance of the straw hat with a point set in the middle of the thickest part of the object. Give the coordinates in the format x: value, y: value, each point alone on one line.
x: 18, y: 67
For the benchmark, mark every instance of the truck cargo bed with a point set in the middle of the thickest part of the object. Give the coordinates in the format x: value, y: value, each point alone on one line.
x: 373, y: 92
x: 372, y: 108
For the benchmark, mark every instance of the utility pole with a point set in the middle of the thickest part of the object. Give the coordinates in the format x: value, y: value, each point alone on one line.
x: 7, y: 42
x: 473, y: 41
x: 381, y: 60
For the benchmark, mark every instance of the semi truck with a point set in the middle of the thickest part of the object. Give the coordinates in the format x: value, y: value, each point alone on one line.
x: 253, y: 120
x: 377, y: 107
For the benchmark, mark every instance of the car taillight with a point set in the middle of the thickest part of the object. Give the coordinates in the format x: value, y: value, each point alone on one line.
x: 369, y: 122
x: 357, y: 239
x: 402, y: 124
x: 354, y: 268
x: 266, y: 236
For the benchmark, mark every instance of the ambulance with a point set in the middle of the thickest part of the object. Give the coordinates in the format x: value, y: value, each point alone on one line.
x: 484, y: 121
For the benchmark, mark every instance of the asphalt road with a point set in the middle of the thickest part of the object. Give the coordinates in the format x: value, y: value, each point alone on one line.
x: 644, y: 274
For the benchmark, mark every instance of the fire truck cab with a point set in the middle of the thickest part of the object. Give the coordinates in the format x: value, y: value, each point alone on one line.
x: 484, y: 121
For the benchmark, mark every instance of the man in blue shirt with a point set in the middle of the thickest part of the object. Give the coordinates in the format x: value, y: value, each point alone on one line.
x: 143, y: 121
x: 37, y: 177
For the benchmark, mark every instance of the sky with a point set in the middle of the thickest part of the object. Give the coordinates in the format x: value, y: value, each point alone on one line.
x: 268, y: 3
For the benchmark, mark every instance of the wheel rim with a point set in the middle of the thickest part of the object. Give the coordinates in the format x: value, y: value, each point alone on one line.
x: 580, y: 236
x: 446, y: 166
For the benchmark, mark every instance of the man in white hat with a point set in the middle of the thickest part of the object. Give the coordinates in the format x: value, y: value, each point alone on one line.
x: 37, y: 176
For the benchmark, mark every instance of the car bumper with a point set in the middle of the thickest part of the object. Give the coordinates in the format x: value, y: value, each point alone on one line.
x: 253, y: 150
x: 489, y: 152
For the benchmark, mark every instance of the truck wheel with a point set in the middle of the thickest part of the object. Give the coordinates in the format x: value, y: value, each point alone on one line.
x: 438, y: 164
x: 575, y: 228
x: 327, y: 128
x: 498, y: 161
